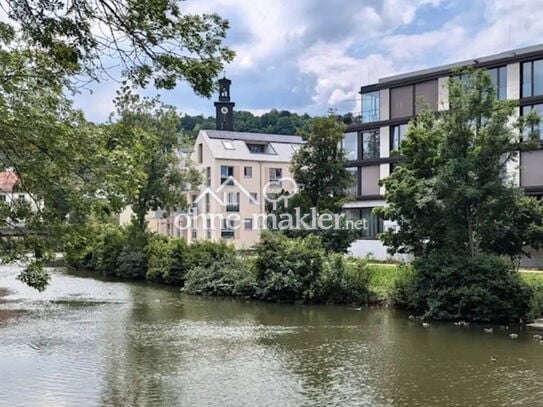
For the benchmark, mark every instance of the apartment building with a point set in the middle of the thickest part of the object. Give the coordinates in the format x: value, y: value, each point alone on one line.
x: 389, y: 104
x: 240, y: 171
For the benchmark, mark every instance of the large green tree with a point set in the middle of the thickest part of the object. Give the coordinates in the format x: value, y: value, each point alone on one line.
x: 319, y: 169
x: 457, y: 207
x: 148, y: 131
x: 68, y: 166
x: 319, y: 165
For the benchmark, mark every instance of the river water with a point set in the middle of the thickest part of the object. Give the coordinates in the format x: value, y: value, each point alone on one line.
x: 90, y: 342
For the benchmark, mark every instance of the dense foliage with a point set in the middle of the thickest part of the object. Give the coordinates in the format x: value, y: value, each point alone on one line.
x: 458, y: 211
x: 72, y: 169
x: 282, y: 269
x: 319, y: 169
x: 151, y: 40
x: 273, y: 122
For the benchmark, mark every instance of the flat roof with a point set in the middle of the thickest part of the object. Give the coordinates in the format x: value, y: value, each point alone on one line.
x: 518, y: 54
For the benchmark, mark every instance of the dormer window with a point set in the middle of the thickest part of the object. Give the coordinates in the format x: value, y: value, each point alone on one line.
x: 228, y: 144
x: 256, y: 148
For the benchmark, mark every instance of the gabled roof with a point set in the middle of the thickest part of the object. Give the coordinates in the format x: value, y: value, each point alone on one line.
x: 8, y: 179
x: 280, y: 147
x: 257, y: 137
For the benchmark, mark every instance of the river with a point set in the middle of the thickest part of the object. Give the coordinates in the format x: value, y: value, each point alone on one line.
x: 91, y: 342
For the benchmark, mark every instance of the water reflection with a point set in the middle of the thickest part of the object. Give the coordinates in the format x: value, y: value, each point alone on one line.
x: 91, y: 342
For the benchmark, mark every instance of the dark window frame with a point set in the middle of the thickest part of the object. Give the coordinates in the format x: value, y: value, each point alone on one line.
x: 361, y: 151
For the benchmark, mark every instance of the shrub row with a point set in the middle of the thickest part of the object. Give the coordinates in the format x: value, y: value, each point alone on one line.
x: 281, y: 270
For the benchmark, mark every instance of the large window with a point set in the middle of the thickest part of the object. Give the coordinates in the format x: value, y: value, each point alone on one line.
x: 369, y: 180
x: 537, y: 128
x: 228, y: 229
x: 370, y: 107
x: 532, y: 78
x: 350, y: 145
x: 352, y: 191
x: 499, y: 79
x: 401, y: 102
x: 397, y: 134
x: 232, y: 202
x: 426, y: 96
x: 370, y: 144
x: 373, y: 225
x: 200, y: 153
x: 226, y: 172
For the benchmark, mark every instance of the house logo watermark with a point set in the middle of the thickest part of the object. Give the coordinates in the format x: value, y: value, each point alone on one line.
x: 262, y: 215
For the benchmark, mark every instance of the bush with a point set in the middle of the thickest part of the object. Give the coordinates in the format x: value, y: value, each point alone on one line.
x: 231, y: 279
x: 133, y: 258
x: 345, y: 282
x: 288, y: 270
x: 534, y: 283
x: 207, y: 253
x: 482, y: 288
x: 107, y: 250
x: 160, y: 260
x: 79, y: 248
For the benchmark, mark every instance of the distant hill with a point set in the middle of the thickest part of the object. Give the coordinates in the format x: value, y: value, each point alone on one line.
x: 273, y: 122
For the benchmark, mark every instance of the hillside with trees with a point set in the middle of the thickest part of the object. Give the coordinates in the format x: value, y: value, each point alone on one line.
x: 273, y: 122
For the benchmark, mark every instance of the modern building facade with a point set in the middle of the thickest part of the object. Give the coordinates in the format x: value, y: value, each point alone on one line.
x: 387, y: 107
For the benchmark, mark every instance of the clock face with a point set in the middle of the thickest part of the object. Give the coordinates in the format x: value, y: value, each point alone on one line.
x: 224, y: 110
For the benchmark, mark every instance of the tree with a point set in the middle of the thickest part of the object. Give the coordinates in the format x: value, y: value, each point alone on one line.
x: 319, y: 165
x: 148, y: 130
x: 319, y: 169
x: 148, y: 39
x: 65, y: 164
x: 456, y: 206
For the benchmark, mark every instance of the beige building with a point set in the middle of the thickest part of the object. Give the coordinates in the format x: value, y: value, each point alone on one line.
x: 241, y: 173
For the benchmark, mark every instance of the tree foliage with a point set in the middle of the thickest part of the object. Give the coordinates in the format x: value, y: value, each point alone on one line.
x: 150, y: 40
x: 147, y: 131
x: 452, y: 191
x: 459, y: 211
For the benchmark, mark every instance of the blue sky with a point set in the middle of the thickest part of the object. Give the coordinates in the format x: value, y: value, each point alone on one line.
x: 309, y: 55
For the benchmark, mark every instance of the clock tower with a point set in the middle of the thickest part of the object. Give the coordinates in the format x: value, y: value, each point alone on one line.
x: 224, y: 108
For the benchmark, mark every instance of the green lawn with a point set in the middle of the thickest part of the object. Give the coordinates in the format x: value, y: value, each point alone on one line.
x: 383, y: 276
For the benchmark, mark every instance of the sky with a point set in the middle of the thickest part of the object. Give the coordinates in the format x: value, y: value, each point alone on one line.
x: 309, y: 55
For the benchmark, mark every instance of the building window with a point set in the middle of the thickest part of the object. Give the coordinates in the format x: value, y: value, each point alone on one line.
x: 426, y: 96
x: 248, y: 224
x: 373, y: 225
x: 392, y: 167
x: 276, y: 174
x: 401, y: 102
x: 2, y: 198
x: 352, y: 191
x: 256, y: 148
x: 228, y: 145
x: 254, y: 196
x: 370, y: 107
x: 200, y: 153
x: 370, y: 144
x: 499, y: 79
x: 232, y: 202
x: 225, y: 173
x: 194, y: 234
x: 208, y: 176
x: 397, y: 134
x: 208, y: 223
x: 350, y: 146
x: 227, y: 231
x: 537, y: 128
x: 369, y: 180
x: 248, y: 172
x: 208, y: 204
x: 532, y: 78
